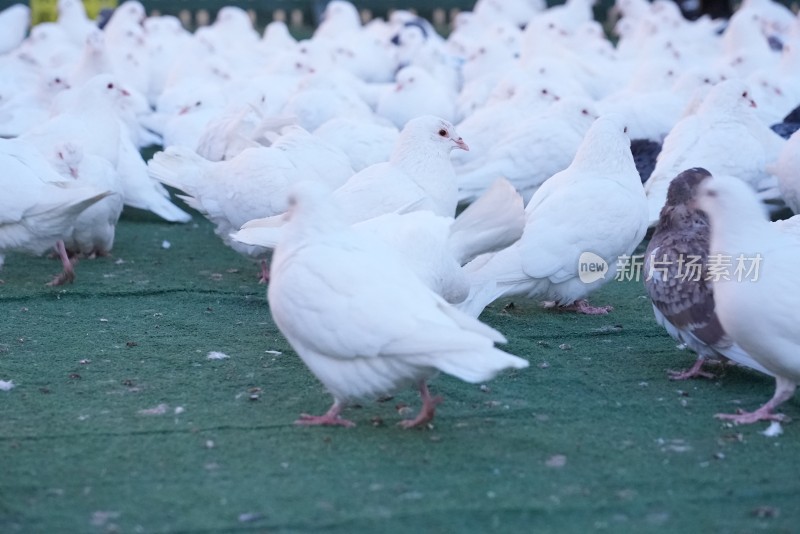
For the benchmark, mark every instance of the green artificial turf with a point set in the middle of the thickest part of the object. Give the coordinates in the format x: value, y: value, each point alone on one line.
x: 592, y: 437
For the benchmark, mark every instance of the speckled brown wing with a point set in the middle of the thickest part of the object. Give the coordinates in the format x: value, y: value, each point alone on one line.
x: 675, y: 279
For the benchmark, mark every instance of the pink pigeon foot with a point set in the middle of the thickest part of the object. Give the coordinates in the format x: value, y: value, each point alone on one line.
x: 68, y: 275
x: 264, y: 276
x: 745, y: 418
x: 784, y: 389
x: 427, y: 411
x: 694, y: 372
x: 331, y: 418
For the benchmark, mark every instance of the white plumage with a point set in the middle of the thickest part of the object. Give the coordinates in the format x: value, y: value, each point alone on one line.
x: 758, y: 307
x: 386, y: 332
x: 596, y: 205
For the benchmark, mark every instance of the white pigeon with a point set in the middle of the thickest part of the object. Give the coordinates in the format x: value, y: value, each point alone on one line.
x: 362, y: 322
x: 787, y: 170
x: 48, y: 46
x: 678, y: 278
x: 95, y: 227
x: 532, y: 151
x: 433, y: 246
x: 365, y: 143
x: 37, y: 210
x: 756, y: 302
x: 722, y: 136
x: 436, y: 247
x: 25, y: 109
x: 415, y: 93
x: 419, y: 174
x: 229, y: 193
x: 73, y: 20
x: 92, y: 120
x: 594, y: 211
x: 14, y: 22
x: 316, y: 105
x: 276, y: 37
x: 313, y: 157
x: 524, y: 99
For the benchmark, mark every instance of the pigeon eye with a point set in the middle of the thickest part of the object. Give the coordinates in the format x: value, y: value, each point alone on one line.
x: 585, y: 111
x: 744, y: 95
x: 625, y: 130
x: 198, y: 103
x: 443, y: 132
x: 544, y: 91
x: 110, y: 85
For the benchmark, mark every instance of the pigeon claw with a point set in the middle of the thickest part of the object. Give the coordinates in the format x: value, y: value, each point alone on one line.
x: 66, y: 277
x: 690, y: 373
x: 427, y: 411
x: 323, y: 420
x: 695, y: 371
x: 745, y: 418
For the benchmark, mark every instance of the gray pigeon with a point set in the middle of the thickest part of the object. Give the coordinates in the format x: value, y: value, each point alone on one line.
x: 677, y: 279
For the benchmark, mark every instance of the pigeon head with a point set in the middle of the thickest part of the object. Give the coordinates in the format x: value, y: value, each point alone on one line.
x: 57, y: 83
x: 606, y: 145
x: 411, y: 77
x: 729, y: 202
x: 580, y: 112
x: 727, y: 96
x: 683, y: 188
x: 104, y: 87
x: 680, y: 210
x: 437, y: 131
x: 310, y: 206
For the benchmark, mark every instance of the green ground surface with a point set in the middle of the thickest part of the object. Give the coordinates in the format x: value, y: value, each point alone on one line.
x: 592, y: 437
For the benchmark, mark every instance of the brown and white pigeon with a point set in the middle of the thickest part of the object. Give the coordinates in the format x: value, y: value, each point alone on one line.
x: 678, y: 279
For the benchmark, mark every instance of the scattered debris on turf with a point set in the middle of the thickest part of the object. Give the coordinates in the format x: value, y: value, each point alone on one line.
x: 557, y: 460
x: 214, y: 355
x: 161, y: 409
x: 773, y: 430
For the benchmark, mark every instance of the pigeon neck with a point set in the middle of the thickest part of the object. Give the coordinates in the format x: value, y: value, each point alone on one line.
x: 733, y: 233
x: 682, y: 217
x: 614, y: 162
x: 431, y: 169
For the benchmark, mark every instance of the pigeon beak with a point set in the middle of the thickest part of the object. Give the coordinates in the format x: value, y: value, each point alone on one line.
x: 124, y: 92
x: 398, y: 87
x: 753, y: 103
x: 461, y: 144
x: 184, y: 110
